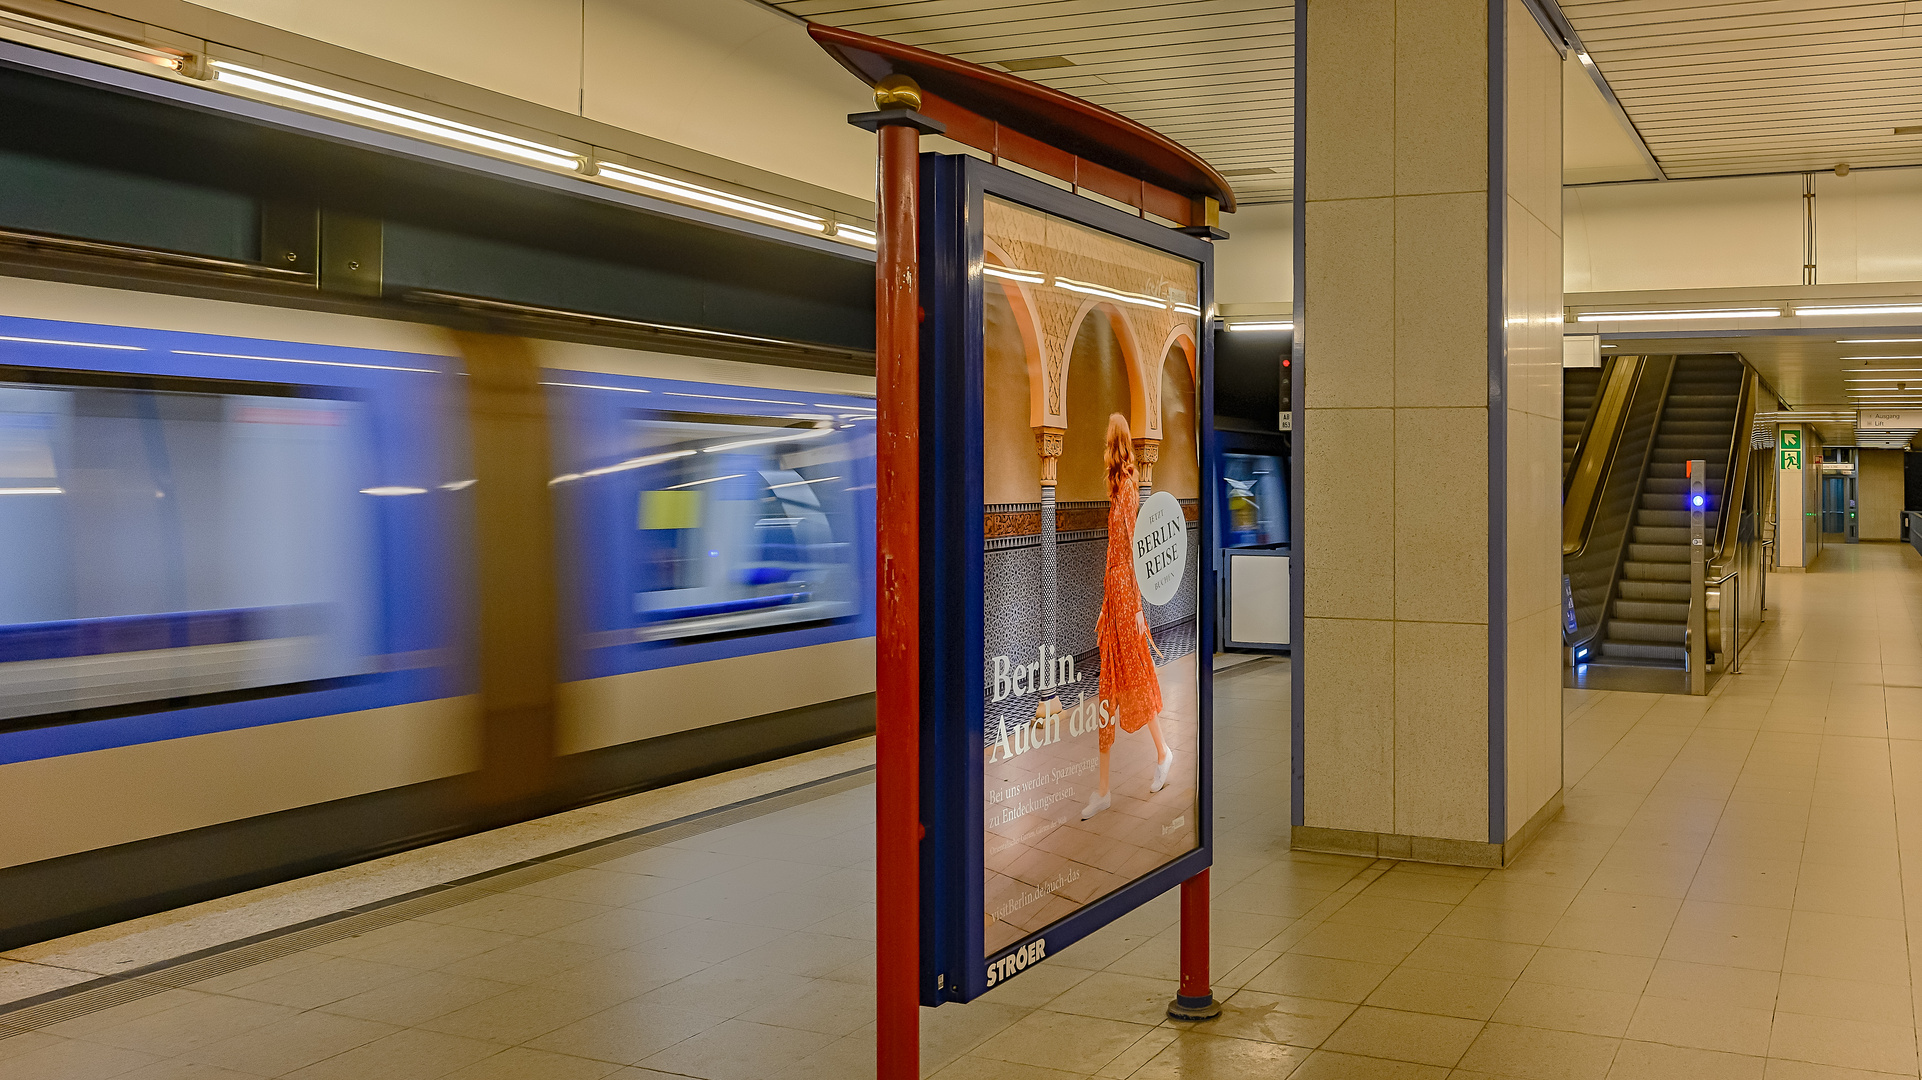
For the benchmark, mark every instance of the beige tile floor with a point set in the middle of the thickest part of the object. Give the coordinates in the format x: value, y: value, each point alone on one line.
x: 1725, y: 897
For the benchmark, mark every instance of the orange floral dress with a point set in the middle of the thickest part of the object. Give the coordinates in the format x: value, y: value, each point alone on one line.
x: 1128, y: 681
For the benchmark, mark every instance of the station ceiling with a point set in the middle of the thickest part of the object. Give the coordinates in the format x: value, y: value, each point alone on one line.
x: 1718, y: 89
x: 1722, y: 89
x: 1216, y: 76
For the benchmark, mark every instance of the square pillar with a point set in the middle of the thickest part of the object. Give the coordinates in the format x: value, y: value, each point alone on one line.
x: 1428, y: 675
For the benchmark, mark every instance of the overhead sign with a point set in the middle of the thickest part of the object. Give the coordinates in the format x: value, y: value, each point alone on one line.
x: 1889, y: 420
x: 1791, y: 459
x: 1065, y: 717
x: 1791, y: 439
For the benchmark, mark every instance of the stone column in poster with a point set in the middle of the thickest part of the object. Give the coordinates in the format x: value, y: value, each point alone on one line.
x: 1048, y: 443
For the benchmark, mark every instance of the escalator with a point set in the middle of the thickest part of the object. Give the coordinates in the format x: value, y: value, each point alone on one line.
x: 1648, y: 619
x: 1579, y: 388
x: 1625, y: 520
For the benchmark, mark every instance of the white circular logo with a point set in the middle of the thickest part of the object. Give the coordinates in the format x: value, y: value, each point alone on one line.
x: 1160, y: 548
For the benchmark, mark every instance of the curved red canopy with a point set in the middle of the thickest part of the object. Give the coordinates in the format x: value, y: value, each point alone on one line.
x: 1000, y: 104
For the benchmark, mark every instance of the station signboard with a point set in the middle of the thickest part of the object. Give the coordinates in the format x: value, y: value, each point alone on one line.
x: 1888, y: 420
x: 1067, y: 605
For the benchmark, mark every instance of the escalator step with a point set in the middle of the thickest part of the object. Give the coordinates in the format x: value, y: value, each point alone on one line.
x: 1642, y: 650
x: 1650, y: 612
x: 1666, y: 592
x: 1656, y: 571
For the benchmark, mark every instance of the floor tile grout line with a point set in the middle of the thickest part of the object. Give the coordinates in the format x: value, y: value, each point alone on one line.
x: 767, y: 802
x: 1901, y: 879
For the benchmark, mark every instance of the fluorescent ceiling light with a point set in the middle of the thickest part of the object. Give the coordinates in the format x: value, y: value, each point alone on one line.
x: 75, y: 344
x: 709, y: 480
x: 1256, y: 327
x: 733, y: 204
x: 1010, y: 273
x: 598, y: 386
x: 796, y: 435
x: 1882, y: 358
x: 320, y: 97
x: 1033, y: 63
x: 74, y: 35
x: 393, y: 491
x: 291, y: 360
x: 1880, y: 341
x: 724, y: 397
x: 1089, y: 288
x: 622, y: 466
x: 1863, y: 309
x: 32, y: 491
x: 1701, y: 313
x: 858, y: 235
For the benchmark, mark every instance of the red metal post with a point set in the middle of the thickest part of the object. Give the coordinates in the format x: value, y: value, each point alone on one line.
x: 897, y: 773
x: 1195, y: 1000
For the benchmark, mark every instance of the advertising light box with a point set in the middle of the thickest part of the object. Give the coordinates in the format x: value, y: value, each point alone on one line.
x: 1067, y: 606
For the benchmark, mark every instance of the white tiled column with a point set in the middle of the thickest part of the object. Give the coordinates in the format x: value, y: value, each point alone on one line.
x: 1430, y: 657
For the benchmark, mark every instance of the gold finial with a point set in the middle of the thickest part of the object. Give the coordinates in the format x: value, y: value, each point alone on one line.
x: 897, y: 92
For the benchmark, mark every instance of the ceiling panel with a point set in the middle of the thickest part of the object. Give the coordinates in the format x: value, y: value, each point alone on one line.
x: 1215, y: 75
x: 1748, y: 86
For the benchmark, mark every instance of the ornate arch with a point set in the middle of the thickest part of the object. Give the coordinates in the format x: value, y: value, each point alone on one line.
x: 1183, y: 335
x: 1034, y: 345
x: 1141, y: 392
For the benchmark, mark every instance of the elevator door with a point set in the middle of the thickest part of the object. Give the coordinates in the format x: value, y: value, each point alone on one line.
x: 1839, y: 516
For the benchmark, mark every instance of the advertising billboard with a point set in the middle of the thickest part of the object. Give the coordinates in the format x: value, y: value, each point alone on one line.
x: 1068, y: 638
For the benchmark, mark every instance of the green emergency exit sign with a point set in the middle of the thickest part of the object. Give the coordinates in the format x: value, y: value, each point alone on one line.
x: 1791, y: 459
x: 1792, y: 439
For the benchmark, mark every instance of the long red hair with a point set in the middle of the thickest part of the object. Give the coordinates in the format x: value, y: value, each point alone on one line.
x: 1120, y: 455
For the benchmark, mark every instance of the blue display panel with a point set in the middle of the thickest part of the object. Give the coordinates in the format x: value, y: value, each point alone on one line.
x: 1067, y: 610
x: 207, y: 533
x: 707, y: 521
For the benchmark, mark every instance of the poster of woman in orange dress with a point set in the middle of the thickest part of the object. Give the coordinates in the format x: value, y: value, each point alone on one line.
x: 1128, y: 678
x: 1092, y: 566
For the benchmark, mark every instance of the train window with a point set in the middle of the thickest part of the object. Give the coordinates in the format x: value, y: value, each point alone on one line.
x: 745, y: 525
x: 167, y: 544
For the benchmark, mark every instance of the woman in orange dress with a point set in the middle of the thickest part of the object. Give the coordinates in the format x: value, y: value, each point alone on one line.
x: 1129, y: 687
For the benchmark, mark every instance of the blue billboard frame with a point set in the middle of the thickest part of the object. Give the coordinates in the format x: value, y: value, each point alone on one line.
x: 953, y: 187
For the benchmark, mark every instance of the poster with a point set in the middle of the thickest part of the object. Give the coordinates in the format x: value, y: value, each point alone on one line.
x: 1068, y: 703
x: 1090, y: 731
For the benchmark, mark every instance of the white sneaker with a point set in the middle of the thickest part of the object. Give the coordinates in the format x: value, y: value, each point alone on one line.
x: 1161, y: 771
x: 1100, y: 803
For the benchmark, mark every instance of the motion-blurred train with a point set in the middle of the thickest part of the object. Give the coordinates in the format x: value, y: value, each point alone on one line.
x: 282, y: 588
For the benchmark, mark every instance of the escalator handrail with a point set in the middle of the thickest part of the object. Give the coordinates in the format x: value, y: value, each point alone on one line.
x: 1581, y: 494
x: 1588, y: 423
x: 1735, y: 474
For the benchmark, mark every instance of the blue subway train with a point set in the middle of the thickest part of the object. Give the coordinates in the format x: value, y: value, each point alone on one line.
x: 284, y: 589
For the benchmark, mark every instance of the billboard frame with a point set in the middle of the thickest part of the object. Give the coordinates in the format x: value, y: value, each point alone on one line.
x: 953, y: 962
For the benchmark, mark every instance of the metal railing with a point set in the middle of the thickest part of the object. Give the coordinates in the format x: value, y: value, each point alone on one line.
x: 1730, y: 611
